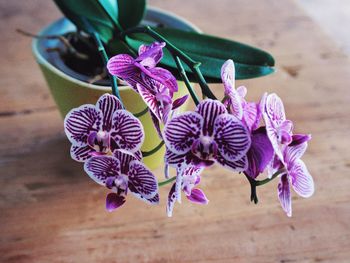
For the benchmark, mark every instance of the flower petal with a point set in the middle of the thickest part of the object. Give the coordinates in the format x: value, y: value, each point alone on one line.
x: 156, y: 124
x: 228, y: 75
x: 284, y: 195
x: 125, y: 158
x: 179, y: 102
x: 165, y: 77
x: 181, y: 131
x: 231, y: 137
x: 236, y: 166
x: 79, y: 122
x: 108, y: 104
x: 274, y: 109
x: 127, y: 131
x: 149, y: 98
x: 100, y: 168
x: 114, y: 201
x: 142, y: 180
x: 210, y: 110
x: 251, y: 116
x: 122, y: 66
x: 171, y: 201
x: 273, y: 136
x: 302, y: 181
x: 175, y: 160
x: 81, y: 153
x: 299, y: 139
x: 149, y: 56
x: 294, y: 153
x: 197, y: 196
x: 260, y: 153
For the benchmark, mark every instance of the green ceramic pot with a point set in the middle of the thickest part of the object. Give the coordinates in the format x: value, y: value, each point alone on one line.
x: 69, y: 91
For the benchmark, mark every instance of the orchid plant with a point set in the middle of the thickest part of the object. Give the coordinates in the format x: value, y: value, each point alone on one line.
x: 241, y: 136
x: 250, y: 138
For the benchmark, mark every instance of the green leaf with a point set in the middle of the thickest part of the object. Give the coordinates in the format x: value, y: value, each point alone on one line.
x: 102, y: 15
x: 131, y: 12
x: 212, y: 52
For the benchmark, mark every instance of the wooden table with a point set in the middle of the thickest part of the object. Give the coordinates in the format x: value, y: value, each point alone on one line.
x: 51, y: 212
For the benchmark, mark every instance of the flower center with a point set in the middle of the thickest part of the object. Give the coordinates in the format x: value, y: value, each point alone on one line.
x: 99, y: 141
x: 118, y: 184
x: 204, y: 148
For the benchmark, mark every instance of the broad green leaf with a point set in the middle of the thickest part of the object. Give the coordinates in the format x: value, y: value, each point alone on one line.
x: 131, y: 12
x: 101, y: 14
x: 212, y: 52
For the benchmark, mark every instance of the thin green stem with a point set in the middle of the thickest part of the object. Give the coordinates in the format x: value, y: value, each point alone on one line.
x: 193, y: 65
x: 265, y: 181
x: 141, y: 113
x: 160, y: 184
x: 186, y: 80
x: 155, y: 149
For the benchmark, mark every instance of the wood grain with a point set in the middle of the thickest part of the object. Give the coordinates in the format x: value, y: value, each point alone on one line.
x: 51, y: 212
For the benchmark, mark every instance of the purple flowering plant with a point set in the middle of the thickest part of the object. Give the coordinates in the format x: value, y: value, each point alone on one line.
x: 250, y: 138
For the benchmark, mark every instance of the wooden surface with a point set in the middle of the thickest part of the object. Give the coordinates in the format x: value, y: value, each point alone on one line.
x: 51, y: 212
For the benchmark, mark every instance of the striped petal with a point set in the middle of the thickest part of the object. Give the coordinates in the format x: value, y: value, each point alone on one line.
x: 234, y: 101
x: 273, y: 137
x: 100, y: 168
x: 165, y: 77
x: 251, y: 115
x: 81, y: 153
x: 108, y: 104
x: 142, y: 181
x: 274, y: 109
x: 127, y: 131
x: 79, y: 122
x: 210, y: 110
x: 284, y: 195
x: 171, y: 201
x: 122, y: 66
x: 302, y: 181
x: 236, y: 166
x: 181, y: 131
x: 125, y: 158
x: 294, y: 153
x: 231, y: 136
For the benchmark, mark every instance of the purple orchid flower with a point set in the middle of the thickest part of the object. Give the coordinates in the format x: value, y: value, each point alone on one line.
x: 296, y: 174
x: 123, y: 172
x: 155, y: 85
x: 191, y: 178
x: 206, y: 136
x: 133, y: 71
x: 100, y: 129
x: 278, y: 128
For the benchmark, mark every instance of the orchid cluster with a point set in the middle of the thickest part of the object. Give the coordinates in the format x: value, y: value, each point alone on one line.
x: 244, y: 137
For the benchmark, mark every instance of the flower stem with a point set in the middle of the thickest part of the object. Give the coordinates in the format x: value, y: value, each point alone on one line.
x: 193, y: 65
x: 186, y: 80
x: 155, y: 149
x: 160, y: 184
x: 265, y: 181
x: 141, y: 113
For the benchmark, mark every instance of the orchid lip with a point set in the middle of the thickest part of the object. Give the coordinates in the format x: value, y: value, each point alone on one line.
x: 205, y: 148
x: 99, y: 141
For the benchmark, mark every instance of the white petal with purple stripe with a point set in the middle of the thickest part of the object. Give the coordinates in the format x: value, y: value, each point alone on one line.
x: 99, y: 168
x: 79, y: 122
x: 127, y: 131
x: 182, y: 131
x: 231, y: 137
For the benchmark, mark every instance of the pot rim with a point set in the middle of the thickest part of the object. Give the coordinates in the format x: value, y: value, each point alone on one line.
x: 43, y: 61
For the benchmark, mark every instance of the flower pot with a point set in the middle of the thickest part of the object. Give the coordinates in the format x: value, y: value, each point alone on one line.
x: 69, y: 91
